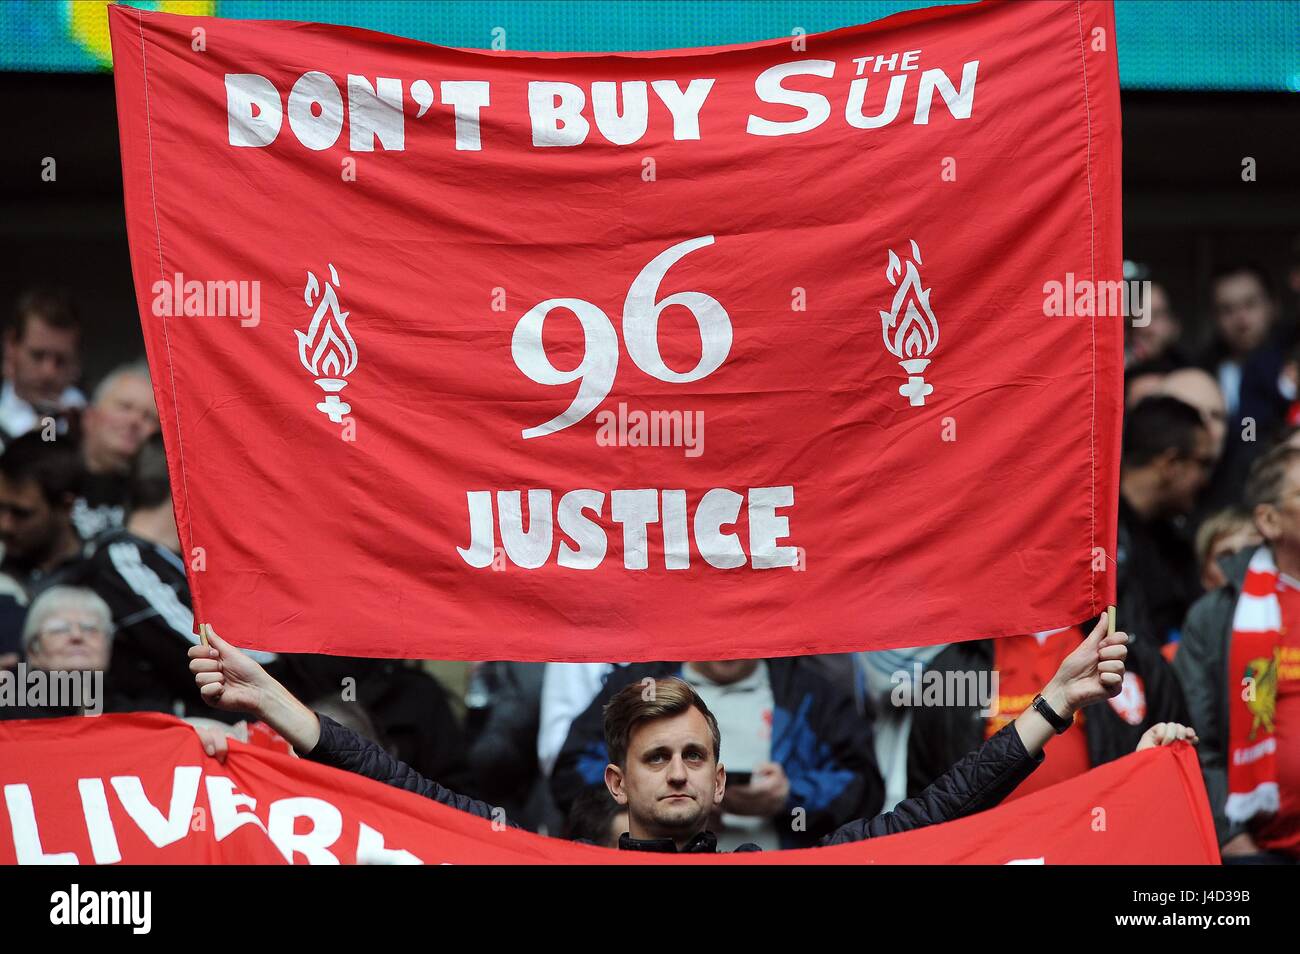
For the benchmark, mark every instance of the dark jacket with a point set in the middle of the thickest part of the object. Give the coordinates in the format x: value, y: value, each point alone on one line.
x: 1260, y: 403
x: 410, y: 709
x: 1201, y: 665
x: 1157, y: 573
x: 979, y: 781
x: 819, y: 739
x: 940, y: 734
x: 503, y: 749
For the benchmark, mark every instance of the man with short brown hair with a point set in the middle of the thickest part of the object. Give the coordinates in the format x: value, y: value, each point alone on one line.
x: 672, y: 712
x: 652, y: 700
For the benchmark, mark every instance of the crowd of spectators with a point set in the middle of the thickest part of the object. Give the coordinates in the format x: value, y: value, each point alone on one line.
x: 93, y: 578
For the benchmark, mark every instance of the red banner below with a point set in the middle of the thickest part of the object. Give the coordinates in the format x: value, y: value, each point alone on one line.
x: 138, y: 789
x: 801, y: 346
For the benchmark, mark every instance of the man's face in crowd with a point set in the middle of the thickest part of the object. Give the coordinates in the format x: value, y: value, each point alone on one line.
x: 1242, y: 311
x: 1194, y: 387
x: 671, y: 782
x: 123, y: 419
x: 29, y: 526
x: 42, y: 364
x: 1186, y: 477
x: 72, y: 641
x: 1161, y: 329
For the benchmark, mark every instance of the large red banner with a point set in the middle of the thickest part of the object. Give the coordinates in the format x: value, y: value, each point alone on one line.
x: 789, y: 347
x: 138, y: 789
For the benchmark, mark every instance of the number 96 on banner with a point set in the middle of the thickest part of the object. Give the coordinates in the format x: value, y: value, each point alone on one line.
x: 641, y: 310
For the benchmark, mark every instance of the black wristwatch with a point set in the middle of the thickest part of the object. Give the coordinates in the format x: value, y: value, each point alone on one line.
x: 1048, y: 713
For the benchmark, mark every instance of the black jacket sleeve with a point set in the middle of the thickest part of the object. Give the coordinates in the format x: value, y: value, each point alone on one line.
x: 503, y: 756
x: 980, y: 780
x: 342, y: 748
x: 1165, y: 699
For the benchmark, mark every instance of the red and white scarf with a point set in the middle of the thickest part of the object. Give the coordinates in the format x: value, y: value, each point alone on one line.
x: 1252, y: 692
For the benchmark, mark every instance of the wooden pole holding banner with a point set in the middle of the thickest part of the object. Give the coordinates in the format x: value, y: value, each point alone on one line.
x: 1110, y: 620
x: 204, y: 627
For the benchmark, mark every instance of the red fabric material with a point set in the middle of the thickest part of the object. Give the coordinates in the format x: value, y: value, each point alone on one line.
x: 1155, y: 811
x: 987, y: 508
x: 261, y: 734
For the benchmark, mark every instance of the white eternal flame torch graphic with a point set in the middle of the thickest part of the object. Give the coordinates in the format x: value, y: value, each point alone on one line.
x: 326, y: 349
x: 909, y: 327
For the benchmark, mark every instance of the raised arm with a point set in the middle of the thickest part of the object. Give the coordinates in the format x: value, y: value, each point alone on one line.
x: 984, y: 777
x: 229, y: 679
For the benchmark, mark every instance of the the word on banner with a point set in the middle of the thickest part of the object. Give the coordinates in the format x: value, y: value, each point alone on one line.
x: 138, y: 789
x: 691, y: 354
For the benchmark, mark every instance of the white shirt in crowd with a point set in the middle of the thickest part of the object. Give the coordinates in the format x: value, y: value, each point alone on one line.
x: 1230, y: 385
x: 18, y: 417
x: 567, y: 690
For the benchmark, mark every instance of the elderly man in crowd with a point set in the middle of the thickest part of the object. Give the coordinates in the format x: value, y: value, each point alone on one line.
x: 68, y: 631
x: 121, y: 417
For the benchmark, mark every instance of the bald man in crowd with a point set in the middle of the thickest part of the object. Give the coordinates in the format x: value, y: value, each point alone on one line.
x: 1198, y: 388
x: 121, y: 417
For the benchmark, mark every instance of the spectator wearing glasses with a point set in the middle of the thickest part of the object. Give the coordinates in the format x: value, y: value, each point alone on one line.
x: 68, y: 630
